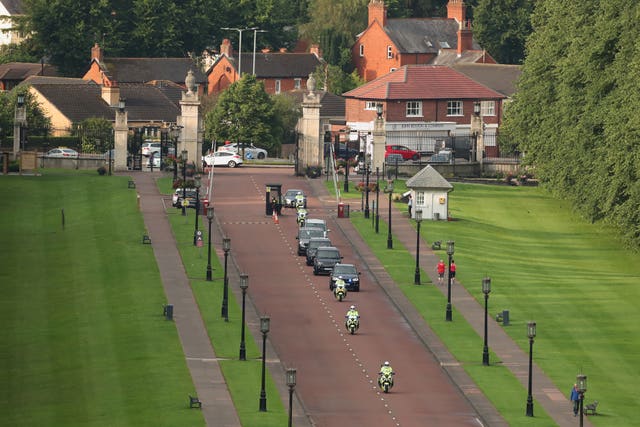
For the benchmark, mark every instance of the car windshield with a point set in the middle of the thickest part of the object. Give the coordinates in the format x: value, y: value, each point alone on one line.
x: 344, y: 269
x: 311, y: 232
x: 328, y: 253
x: 317, y: 243
x: 315, y: 224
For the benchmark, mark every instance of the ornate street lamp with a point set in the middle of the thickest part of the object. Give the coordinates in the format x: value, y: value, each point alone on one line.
x: 291, y: 382
x: 197, y: 182
x: 377, y: 199
x: 389, y: 190
x: 367, y: 170
x: 226, y: 246
x: 184, y: 182
x: 244, y: 284
x: 175, y: 134
x: 379, y: 111
x: 416, y: 276
x: 581, y: 383
x: 209, y: 217
x: 450, y: 251
x: 264, y: 328
x: 531, y: 333
x: 486, y: 289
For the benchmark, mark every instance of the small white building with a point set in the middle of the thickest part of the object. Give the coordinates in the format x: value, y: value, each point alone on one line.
x: 430, y: 193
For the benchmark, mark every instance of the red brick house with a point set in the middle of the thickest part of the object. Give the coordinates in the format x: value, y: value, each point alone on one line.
x: 281, y: 72
x: 388, y: 44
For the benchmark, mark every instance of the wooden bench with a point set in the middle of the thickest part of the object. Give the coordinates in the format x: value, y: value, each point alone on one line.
x: 591, y: 408
x: 194, y: 402
x: 146, y: 240
x: 132, y: 184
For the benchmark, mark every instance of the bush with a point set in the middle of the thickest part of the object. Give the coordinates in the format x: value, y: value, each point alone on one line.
x: 314, y: 171
x: 102, y: 170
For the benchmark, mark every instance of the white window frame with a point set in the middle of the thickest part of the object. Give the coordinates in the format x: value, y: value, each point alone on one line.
x: 297, y: 83
x: 419, y: 198
x: 454, y: 108
x: 389, y: 52
x: 487, y: 108
x: 277, y: 87
x: 361, y: 50
x: 413, y: 109
x: 370, y: 105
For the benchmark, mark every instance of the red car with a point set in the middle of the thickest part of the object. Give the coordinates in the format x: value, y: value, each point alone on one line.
x: 406, y: 153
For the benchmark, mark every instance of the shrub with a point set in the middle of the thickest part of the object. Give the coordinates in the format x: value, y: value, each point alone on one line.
x: 102, y: 170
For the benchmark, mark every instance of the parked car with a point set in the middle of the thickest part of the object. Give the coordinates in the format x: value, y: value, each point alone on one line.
x: 392, y: 159
x: 313, y: 246
x: 150, y: 147
x: 405, y: 152
x: 443, y: 156
x: 304, y: 235
x: 222, y: 158
x: 345, y: 152
x: 191, y: 193
x: 250, y: 150
x: 156, y: 161
x: 320, y: 224
x: 326, y: 258
x: 62, y: 152
x: 290, y: 198
x: 347, y: 272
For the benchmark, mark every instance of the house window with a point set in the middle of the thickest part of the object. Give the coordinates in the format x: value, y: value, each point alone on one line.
x: 389, y: 52
x: 414, y: 108
x: 488, y: 108
x: 454, y: 108
x: 361, y: 50
x: 297, y: 83
x: 277, y: 86
x: 392, y: 69
x: 370, y: 105
x: 419, y: 198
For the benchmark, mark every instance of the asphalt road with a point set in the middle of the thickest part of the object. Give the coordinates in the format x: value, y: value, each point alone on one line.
x: 336, y: 371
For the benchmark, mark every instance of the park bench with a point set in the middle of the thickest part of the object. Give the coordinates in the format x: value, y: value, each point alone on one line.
x: 131, y: 184
x: 590, y: 408
x: 146, y: 240
x: 194, y: 402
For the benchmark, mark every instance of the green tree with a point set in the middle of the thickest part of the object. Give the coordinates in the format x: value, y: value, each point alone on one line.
x: 502, y: 27
x: 287, y: 112
x: 244, y: 113
x: 36, y: 120
x: 95, y: 134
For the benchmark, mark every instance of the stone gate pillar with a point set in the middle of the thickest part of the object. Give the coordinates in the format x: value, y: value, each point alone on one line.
x: 190, y: 137
x: 311, y: 141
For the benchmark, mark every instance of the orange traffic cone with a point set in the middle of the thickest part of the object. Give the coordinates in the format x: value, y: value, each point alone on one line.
x: 275, y: 218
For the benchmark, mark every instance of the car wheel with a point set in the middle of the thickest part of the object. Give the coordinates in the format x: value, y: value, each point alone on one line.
x: 315, y: 271
x: 415, y: 157
x: 261, y: 156
x: 357, y: 288
x: 231, y: 164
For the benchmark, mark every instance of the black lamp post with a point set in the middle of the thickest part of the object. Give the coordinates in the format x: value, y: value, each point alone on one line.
x: 264, y: 328
x: 581, y: 382
x: 416, y: 277
x: 226, y: 246
x: 175, y: 133
x: 531, y: 333
x: 486, y: 289
x: 209, y: 217
x: 197, y: 182
x: 389, y: 190
x: 377, y: 199
x: 450, y: 250
x: 244, y: 284
x: 367, y: 160
x: 20, y: 106
x: 184, y: 182
x: 291, y: 382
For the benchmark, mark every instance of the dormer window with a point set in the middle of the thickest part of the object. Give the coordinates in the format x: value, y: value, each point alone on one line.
x: 444, y: 45
x: 361, y: 50
x: 389, y: 52
x: 297, y: 83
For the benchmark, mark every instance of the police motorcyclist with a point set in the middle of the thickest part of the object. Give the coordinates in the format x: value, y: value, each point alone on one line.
x: 301, y: 216
x: 340, y: 285
x: 352, y: 314
x: 299, y: 200
x: 386, y: 370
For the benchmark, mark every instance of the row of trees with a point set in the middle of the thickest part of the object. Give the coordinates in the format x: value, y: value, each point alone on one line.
x: 575, y: 114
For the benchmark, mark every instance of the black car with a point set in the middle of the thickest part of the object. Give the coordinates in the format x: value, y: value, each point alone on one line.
x: 303, y: 237
x: 313, y: 246
x: 347, y: 272
x: 326, y: 258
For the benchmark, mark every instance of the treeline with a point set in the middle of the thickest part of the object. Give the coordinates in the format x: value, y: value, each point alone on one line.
x: 575, y: 115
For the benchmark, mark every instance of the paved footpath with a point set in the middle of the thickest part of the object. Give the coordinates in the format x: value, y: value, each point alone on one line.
x: 217, y: 407
x: 545, y: 393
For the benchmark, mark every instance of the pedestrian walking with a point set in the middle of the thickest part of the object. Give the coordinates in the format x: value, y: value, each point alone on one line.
x: 452, y: 271
x: 409, y: 205
x: 575, y: 399
x: 440, y: 268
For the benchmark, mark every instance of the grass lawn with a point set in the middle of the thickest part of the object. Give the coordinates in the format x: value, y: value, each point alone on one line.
x: 573, y: 278
x: 83, y: 341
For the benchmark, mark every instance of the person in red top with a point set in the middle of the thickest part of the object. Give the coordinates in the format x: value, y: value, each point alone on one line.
x: 452, y: 271
x: 440, y: 269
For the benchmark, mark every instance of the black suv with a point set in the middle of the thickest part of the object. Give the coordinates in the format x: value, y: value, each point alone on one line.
x: 313, y: 246
x: 347, y: 272
x: 303, y: 237
x: 326, y: 258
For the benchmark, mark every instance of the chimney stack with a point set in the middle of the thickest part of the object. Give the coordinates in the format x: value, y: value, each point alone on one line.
x: 226, y: 48
x: 377, y: 12
x: 96, y: 53
x: 456, y: 9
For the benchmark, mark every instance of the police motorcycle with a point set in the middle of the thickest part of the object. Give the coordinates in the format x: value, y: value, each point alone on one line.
x: 340, y: 290
x: 301, y: 216
x: 353, y: 320
x: 385, y: 377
